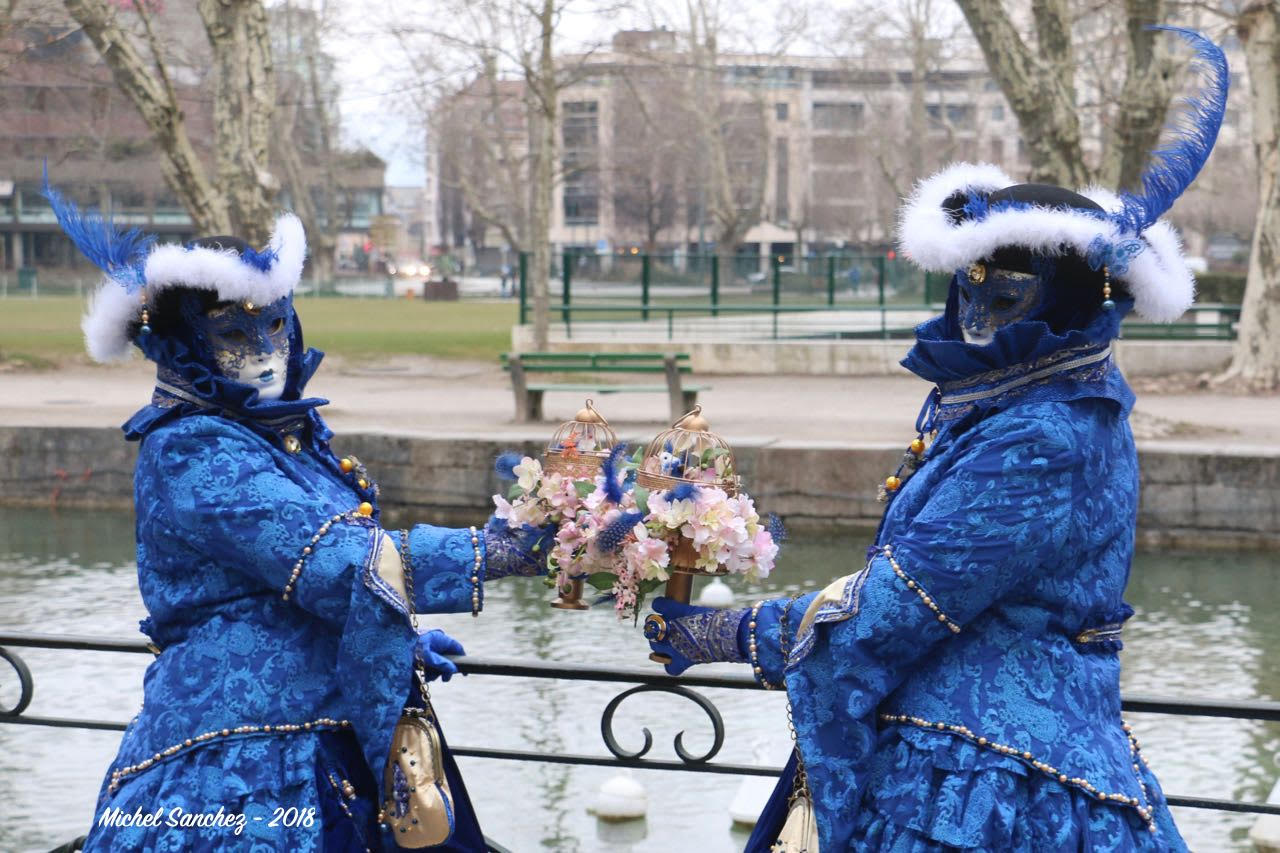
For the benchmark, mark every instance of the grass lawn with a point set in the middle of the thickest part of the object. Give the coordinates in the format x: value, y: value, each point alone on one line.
x: 47, y: 330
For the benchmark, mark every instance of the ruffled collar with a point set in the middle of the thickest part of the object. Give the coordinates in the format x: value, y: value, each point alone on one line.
x: 1024, y: 362
x: 185, y: 386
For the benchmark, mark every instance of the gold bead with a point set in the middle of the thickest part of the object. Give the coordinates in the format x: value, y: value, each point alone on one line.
x: 917, y: 446
x: 365, y: 508
x: 347, y: 465
x: 892, y: 483
x: 362, y: 483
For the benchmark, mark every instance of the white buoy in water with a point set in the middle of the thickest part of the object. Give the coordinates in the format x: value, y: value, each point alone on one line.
x: 716, y: 594
x: 621, y: 797
x: 754, y: 792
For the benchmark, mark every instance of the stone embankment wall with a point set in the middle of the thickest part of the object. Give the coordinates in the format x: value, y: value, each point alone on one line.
x: 1190, y: 498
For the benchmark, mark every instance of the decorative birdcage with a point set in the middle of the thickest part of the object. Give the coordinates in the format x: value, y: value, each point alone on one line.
x: 688, y: 453
x: 578, y: 450
x: 580, y: 446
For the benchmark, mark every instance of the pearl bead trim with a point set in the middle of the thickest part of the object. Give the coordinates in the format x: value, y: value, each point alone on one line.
x: 199, y: 740
x: 1142, y: 805
x: 306, y: 551
x: 920, y: 591
x: 475, y: 573
x: 754, y: 649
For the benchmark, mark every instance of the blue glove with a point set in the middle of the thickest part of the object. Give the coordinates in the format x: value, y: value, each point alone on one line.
x: 433, y: 645
x: 516, y: 550
x: 690, y: 635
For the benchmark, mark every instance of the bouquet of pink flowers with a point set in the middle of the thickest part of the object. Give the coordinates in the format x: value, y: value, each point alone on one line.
x: 621, y: 537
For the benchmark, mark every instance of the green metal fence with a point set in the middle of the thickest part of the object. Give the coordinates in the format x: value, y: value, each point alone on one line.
x: 778, y: 297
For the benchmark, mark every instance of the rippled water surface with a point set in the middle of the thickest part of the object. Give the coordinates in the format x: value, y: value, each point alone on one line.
x: 1206, y: 626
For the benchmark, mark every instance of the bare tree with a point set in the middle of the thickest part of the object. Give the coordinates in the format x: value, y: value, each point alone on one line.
x: 491, y: 38
x: 241, y: 199
x: 649, y: 143
x: 1255, y: 361
x: 305, y: 126
x: 1041, y: 84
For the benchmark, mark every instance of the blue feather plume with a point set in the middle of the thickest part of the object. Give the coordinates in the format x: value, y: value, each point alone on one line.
x: 505, y: 465
x: 612, y: 488
x: 120, y: 254
x: 1175, y: 164
x: 610, y: 539
x: 682, y: 492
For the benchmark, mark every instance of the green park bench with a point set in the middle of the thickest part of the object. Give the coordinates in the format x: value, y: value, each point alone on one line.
x: 529, y: 393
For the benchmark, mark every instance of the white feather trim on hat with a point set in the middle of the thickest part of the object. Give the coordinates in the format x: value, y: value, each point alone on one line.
x: 1162, y: 285
x: 113, y: 310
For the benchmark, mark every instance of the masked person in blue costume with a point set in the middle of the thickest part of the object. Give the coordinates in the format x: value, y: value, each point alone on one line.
x: 962, y: 690
x: 281, y: 612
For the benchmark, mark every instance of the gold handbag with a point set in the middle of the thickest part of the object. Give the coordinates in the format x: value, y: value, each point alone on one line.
x: 799, y: 832
x: 422, y: 816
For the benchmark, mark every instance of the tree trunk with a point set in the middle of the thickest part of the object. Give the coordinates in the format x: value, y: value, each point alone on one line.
x: 158, y: 106
x: 242, y: 110
x: 1040, y: 91
x: 1144, y: 100
x: 544, y: 175
x: 1255, y: 361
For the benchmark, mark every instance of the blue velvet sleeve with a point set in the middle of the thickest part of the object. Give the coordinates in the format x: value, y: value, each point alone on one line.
x: 443, y: 563
x: 226, y: 499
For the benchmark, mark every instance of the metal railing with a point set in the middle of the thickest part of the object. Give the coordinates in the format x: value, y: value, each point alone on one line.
x: 644, y: 681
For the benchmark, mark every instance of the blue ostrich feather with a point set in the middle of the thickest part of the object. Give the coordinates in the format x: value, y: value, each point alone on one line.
x: 505, y: 465
x: 120, y: 254
x: 612, y: 488
x: 610, y: 539
x: 1175, y: 164
x: 683, y: 492
x: 773, y: 524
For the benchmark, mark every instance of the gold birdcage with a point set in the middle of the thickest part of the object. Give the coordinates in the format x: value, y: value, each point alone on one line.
x: 578, y: 450
x: 580, y: 446
x: 691, y: 453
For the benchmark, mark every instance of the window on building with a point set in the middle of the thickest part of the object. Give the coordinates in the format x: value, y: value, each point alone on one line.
x: 997, y: 112
x: 580, y: 131
x: 997, y: 150
x: 842, y: 118
x: 782, y: 189
x: 780, y: 111
x: 955, y: 116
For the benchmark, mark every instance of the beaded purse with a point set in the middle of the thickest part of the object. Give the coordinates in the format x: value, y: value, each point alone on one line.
x: 417, y: 804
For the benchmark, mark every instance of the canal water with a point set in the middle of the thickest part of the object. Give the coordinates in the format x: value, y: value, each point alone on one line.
x: 1207, y: 625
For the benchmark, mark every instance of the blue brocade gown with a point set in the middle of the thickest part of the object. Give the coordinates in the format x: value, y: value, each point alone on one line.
x: 962, y: 691
x: 285, y: 656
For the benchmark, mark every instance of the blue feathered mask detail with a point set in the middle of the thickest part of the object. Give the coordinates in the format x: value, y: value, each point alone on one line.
x: 1175, y: 164
x: 120, y: 254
